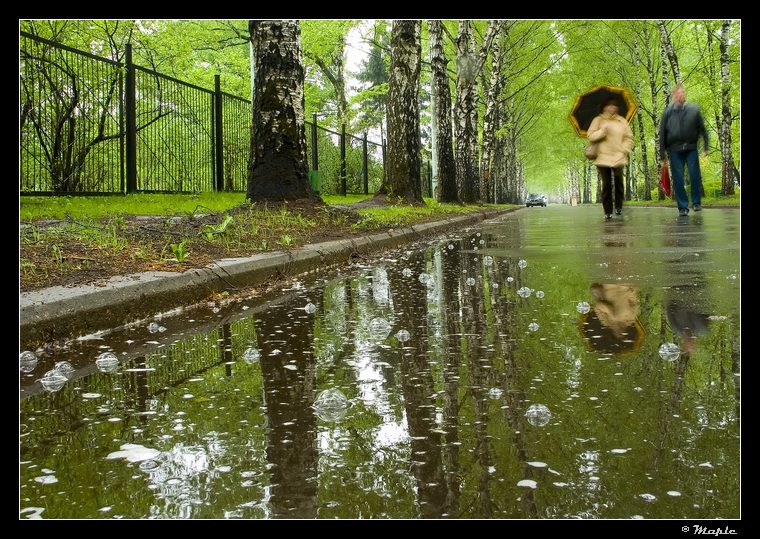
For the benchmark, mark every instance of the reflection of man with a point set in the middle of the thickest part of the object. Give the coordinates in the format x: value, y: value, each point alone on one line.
x: 612, y: 325
x: 686, y: 323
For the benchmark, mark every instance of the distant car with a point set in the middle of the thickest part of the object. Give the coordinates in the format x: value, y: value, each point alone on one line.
x: 535, y: 200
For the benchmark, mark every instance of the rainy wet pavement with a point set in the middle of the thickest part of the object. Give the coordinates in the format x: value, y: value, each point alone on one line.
x: 596, y: 379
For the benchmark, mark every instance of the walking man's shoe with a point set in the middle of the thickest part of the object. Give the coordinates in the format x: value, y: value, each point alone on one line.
x: 620, y: 212
x: 683, y: 212
x: 697, y: 207
x: 607, y: 217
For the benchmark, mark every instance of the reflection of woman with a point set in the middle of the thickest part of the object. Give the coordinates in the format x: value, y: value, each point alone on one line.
x: 614, y: 140
x: 612, y: 325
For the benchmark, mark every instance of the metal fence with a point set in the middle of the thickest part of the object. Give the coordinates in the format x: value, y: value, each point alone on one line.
x: 91, y: 125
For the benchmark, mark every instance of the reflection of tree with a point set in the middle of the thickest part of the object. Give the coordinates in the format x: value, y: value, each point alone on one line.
x: 473, y: 314
x: 291, y: 434
x: 513, y: 395
x: 419, y: 404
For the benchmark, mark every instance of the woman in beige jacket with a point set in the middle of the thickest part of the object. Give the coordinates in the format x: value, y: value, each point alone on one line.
x: 614, y: 140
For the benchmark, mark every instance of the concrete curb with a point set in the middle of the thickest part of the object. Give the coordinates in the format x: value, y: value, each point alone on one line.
x: 59, y: 312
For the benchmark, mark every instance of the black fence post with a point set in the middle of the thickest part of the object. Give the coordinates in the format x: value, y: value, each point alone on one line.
x: 131, y: 103
x: 218, y: 135
x: 343, y: 160
x: 366, y: 163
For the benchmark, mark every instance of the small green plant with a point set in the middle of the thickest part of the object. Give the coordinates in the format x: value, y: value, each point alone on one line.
x: 180, y: 251
x: 27, y: 267
x: 209, y: 231
x: 285, y: 240
x: 57, y: 256
x: 264, y: 245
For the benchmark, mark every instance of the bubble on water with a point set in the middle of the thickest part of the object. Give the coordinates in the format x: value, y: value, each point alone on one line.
x: 477, y: 234
x: 731, y: 277
x: 510, y: 279
x: 215, y: 310
x: 717, y: 318
x: 53, y: 380
x: 475, y: 248
x: 524, y: 292
x: 618, y: 451
x: 583, y: 307
x: 648, y: 497
x: 540, y: 294
x: 637, y: 389
x: 482, y: 242
x: 406, y: 272
x: 533, y: 326
x: 290, y: 367
x: 65, y: 368
x: 528, y: 483
x: 669, y: 351
x: 495, y: 392
x: 522, y: 264
x: 149, y: 465
x: 331, y: 405
x: 403, y: 335
x: 603, y: 265
x: 488, y: 260
x: 470, y: 281
x: 251, y: 355
x: 426, y: 279
x: 451, y: 246
x: 536, y: 464
x: 379, y: 329
x: 538, y: 415
x: 495, y: 285
x: 153, y: 327
x: 46, y: 479
x: 707, y: 465
x: 27, y: 361
x: 674, y: 493
x: 310, y: 308
x: 107, y: 362
x: 161, y: 329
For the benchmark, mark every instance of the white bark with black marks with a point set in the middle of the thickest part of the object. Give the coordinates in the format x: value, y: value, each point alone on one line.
x: 278, y: 169
x: 444, y: 144
x: 465, y: 116
x: 670, y: 51
x: 727, y: 158
x: 402, y: 178
x: 491, y: 117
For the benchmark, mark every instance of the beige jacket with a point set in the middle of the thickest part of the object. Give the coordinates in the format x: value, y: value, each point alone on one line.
x: 614, y: 137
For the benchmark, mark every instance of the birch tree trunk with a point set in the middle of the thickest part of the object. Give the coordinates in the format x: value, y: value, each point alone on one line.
x: 465, y: 108
x: 725, y: 125
x: 278, y: 169
x: 490, y: 117
x: 444, y: 145
x: 667, y: 46
x: 403, y: 168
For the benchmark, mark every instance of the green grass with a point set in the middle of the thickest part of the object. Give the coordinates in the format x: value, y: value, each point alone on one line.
x: 348, y: 199
x: 33, y: 208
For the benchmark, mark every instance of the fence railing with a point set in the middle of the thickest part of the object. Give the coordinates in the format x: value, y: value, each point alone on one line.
x: 92, y: 125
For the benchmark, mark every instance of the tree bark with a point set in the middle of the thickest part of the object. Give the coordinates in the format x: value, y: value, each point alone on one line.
x: 644, y: 161
x: 490, y: 117
x: 465, y: 110
x: 403, y: 167
x: 278, y: 169
x: 667, y: 46
x: 444, y: 144
x: 728, y: 167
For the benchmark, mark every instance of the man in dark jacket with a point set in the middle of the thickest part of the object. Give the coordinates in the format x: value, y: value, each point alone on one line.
x: 680, y: 128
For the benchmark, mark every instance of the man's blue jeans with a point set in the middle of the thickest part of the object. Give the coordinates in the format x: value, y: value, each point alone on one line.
x: 689, y: 158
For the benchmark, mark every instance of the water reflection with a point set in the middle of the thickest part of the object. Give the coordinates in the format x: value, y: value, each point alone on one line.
x: 435, y: 424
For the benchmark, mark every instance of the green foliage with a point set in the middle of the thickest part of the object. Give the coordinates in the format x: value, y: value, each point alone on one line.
x: 180, y: 251
x: 34, y: 208
x: 211, y: 231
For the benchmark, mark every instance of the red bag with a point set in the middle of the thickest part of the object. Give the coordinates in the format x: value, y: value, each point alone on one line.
x: 665, y: 179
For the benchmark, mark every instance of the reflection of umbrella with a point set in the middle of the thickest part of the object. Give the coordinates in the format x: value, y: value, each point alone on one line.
x: 601, y: 338
x: 588, y: 105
